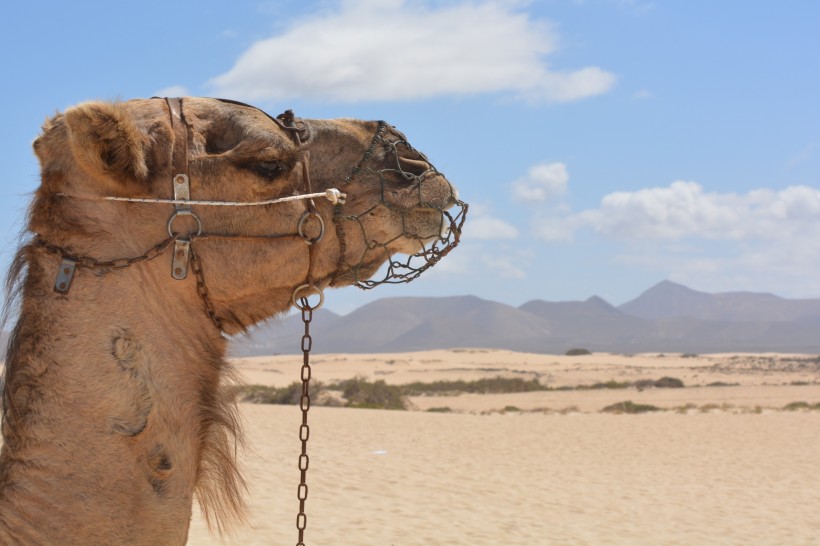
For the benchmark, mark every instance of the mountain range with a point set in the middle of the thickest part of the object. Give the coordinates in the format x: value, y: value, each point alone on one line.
x: 668, y: 317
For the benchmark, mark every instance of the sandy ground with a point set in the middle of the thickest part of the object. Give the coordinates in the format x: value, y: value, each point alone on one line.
x: 743, y: 473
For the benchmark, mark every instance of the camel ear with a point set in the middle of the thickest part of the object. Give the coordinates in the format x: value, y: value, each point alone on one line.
x: 105, y: 139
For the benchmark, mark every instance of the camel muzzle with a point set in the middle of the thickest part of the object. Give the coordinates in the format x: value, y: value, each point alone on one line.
x: 432, y: 215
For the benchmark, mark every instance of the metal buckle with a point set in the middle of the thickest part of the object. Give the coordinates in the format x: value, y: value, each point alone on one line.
x: 182, y: 255
x: 64, y: 276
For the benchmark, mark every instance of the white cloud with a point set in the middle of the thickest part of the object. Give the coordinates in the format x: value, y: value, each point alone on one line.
x: 542, y: 182
x: 684, y: 210
x: 397, y: 50
x: 760, y: 240
x: 172, y: 91
x: 483, y: 226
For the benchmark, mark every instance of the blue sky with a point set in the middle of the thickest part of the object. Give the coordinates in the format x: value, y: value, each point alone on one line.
x: 604, y: 145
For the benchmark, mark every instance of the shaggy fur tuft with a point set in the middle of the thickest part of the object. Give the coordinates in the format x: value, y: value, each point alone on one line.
x: 220, y: 487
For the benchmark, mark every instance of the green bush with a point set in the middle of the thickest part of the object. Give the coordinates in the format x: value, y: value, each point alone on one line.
x: 290, y: 395
x: 578, y: 352
x: 630, y: 407
x: 669, y: 383
x: 611, y: 384
x: 797, y: 406
x: 360, y: 393
x: 495, y: 385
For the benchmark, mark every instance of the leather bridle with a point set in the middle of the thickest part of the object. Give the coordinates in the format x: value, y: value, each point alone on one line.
x: 298, y: 130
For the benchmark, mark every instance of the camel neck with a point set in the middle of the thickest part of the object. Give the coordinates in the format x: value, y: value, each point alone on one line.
x: 110, y: 408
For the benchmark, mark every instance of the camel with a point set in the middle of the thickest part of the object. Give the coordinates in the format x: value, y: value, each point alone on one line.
x: 117, y: 407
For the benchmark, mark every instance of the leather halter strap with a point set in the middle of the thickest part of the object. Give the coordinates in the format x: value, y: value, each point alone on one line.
x: 179, y: 153
x: 286, y: 120
x: 184, y: 254
x: 180, y: 181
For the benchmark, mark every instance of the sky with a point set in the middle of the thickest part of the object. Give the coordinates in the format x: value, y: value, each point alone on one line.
x: 603, y: 145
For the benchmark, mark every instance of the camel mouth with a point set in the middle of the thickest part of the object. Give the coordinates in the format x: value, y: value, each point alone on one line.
x: 428, y: 234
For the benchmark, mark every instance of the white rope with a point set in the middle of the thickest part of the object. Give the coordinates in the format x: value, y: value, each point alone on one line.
x: 333, y: 195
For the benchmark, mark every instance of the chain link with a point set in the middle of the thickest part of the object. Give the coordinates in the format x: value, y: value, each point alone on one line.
x: 87, y: 262
x: 202, y: 290
x: 304, y: 429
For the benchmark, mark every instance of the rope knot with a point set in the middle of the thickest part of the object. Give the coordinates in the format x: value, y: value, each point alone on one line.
x: 335, y: 196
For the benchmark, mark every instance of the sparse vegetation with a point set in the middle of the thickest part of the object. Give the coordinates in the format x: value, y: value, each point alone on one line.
x: 611, y: 384
x: 707, y: 408
x: 361, y: 393
x: 685, y: 408
x: 290, y: 395
x: 669, y: 383
x: 578, y: 352
x: 801, y: 406
x: 630, y: 407
x: 495, y: 385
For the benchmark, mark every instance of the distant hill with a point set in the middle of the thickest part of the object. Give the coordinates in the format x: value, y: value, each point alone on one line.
x: 667, y: 299
x: 668, y: 317
x: 407, y: 324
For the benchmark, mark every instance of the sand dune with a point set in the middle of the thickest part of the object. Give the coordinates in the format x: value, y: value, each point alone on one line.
x: 745, y: 475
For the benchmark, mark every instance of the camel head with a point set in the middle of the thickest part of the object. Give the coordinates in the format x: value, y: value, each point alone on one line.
x: 249, y: 260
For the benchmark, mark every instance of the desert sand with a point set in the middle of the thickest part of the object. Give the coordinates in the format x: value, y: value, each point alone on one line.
x: 730, y: 468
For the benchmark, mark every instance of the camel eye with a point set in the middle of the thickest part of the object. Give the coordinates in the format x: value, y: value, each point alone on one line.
x: 268, y: 169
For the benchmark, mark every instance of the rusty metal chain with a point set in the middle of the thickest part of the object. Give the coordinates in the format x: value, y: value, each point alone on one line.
x: 87, y: 262
x: 304, y: 429
x: 202, y: 290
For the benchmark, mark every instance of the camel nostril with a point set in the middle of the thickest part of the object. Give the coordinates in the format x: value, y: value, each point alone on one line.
x: 414, y: 167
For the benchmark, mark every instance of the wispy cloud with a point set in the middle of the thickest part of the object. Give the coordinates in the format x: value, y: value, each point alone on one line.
x: 486, y: 227
x: 543, y: 181
x: 488, y: 261
x: 756, y: 240
x: 392, y: 50
x: 805, y: 154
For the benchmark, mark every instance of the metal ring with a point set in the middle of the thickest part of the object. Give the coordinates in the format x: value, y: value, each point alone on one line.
x: 185, y: 213
x: 300, y: 227
x: 312, y: 287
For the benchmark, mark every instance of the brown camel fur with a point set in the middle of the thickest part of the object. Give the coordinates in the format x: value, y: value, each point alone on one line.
x: 115, y: 406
